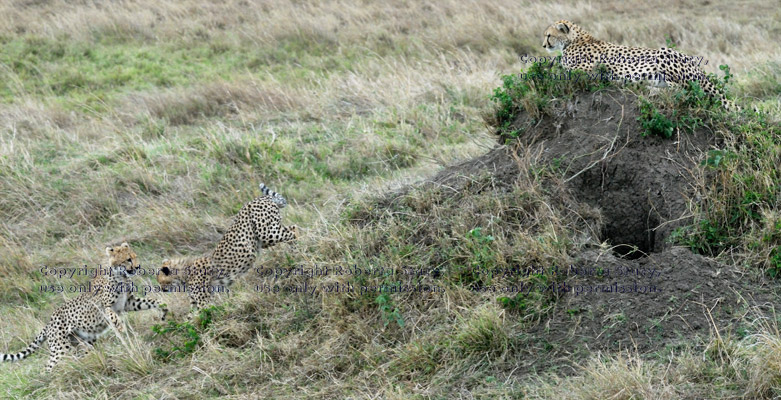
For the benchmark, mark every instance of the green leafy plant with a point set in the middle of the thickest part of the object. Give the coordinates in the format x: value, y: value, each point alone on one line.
x: 390, y: 313
x: 690, y: 105
x: 775, y: 263
x: 727, y: 75
x: 653, y: 122
x: 717, y: 157
x: 533, y: 298
x: 533, y: 89
x: 506, y: 98
x: 480, y: 245
x: 721, y: 84
x: 183, y: 337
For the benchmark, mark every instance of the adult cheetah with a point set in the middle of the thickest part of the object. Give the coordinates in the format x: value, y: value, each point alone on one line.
x: 663, y: 67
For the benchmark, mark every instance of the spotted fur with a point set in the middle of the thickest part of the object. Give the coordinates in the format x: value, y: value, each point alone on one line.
x: 662, y: 67
x: 256, y: 226
x: 83, y: 319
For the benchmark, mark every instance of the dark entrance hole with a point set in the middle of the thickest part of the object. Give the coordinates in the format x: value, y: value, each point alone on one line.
x: 630, y: 231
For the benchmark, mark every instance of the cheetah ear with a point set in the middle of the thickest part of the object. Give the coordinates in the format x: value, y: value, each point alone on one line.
x: 563, y: 28
x: 165, y: 271
x: 124, y: 244
x: 109, y: 250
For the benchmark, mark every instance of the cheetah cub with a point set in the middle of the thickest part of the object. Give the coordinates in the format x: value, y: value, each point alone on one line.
x: 84, y: 318
x: 256, y: 226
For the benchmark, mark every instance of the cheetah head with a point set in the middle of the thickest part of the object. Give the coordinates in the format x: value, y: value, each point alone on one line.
x: 166, y: 276
x: 122, y: 259
x: 170, y: 274
x: 559, y: 35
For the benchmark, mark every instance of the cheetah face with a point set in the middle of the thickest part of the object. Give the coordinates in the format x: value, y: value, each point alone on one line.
x: 557, y: 37
x: 122, y: 260
x: 167, y: 276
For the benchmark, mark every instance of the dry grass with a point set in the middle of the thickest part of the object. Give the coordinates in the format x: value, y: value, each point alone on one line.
x: 624, y: 376
x: 153, y: 123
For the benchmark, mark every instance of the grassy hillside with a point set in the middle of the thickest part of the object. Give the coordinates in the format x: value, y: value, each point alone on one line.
x: 153, y: 124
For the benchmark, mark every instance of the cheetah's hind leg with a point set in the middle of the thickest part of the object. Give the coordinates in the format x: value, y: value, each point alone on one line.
x: 82, y: 346
x: 58, y: 347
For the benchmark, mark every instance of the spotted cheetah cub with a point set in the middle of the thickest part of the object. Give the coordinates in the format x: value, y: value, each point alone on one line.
x: 84, y: 318
x: 662, y: 67
x: 256, y: 226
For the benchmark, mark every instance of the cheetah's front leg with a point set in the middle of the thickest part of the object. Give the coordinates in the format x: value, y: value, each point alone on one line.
x: 137, y: 304
x: 114, y: 319
x: 286, y: 234
x: 200, y: 294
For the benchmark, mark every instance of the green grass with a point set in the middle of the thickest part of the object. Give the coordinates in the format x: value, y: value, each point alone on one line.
x: 738, y: 212
x: 89, y: 76
x: 183, y: 338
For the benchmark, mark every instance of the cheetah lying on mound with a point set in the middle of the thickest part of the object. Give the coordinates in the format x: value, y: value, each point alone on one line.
x: 84, y: 318
x: 663, y: 67
x: 256, y: 226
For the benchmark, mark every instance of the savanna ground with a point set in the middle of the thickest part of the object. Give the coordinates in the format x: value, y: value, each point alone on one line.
x: 154, y: 124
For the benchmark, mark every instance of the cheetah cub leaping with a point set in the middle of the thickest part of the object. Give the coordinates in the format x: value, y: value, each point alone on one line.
x: 663, y: 67
x: 256, y: 226
x: 84, y: 318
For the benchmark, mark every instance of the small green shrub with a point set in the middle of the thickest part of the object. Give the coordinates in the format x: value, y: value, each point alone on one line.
x: 480, y: 245
x: 740, y: 194
x: 534, y: 298
x: 689, y: 109
x: 722, y: 84
x: 481, y: 258
x: 183, y: 337
x: 506, y: 98
x: 653, y: 122
x: 533, y: 90
x: 775, y: 263
x: 716, y: 157
x: 390, y: 313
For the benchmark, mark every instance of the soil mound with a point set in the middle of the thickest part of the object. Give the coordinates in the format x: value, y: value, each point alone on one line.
x: 643, y: 294
x: 640, y: 184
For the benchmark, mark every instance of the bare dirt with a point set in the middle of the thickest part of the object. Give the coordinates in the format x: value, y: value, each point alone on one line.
x: 672, y: 300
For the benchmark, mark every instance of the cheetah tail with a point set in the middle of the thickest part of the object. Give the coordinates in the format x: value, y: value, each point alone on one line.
x: 275, y: 197
x: 26, y: 352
